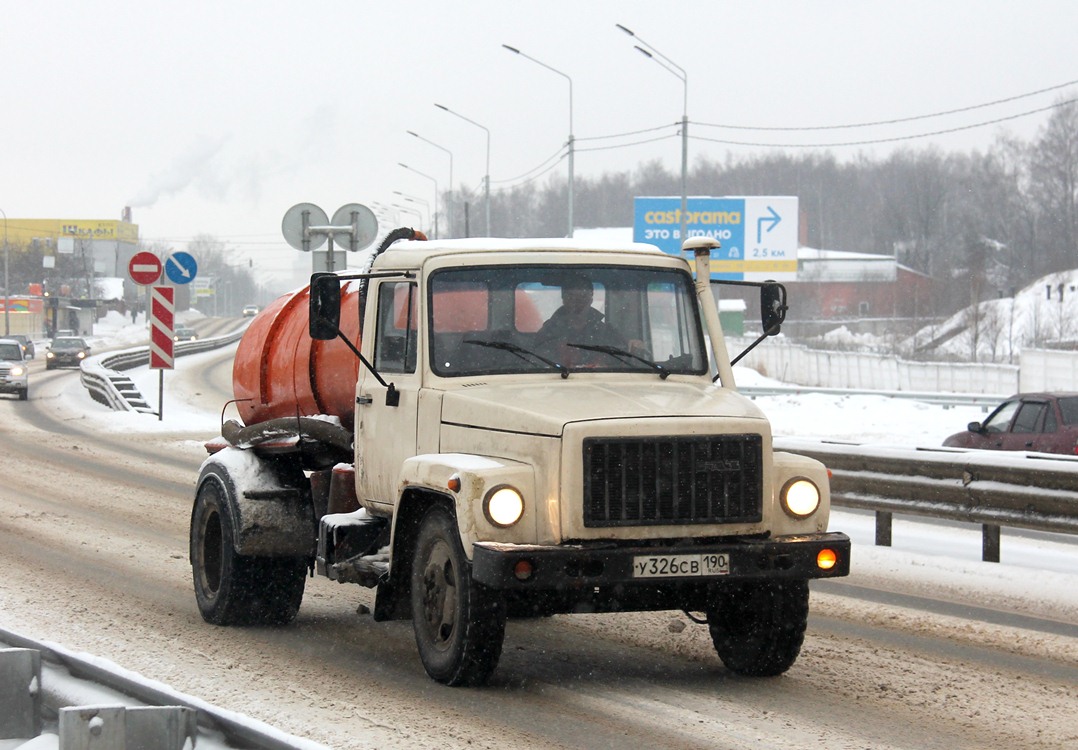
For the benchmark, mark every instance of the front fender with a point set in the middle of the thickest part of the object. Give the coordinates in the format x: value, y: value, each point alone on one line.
x: 477, y: 475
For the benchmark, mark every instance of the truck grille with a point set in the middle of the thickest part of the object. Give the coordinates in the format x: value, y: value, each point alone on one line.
x: 673, y: 480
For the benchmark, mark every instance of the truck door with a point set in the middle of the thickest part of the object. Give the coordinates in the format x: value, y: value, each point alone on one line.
x: 386, y: 433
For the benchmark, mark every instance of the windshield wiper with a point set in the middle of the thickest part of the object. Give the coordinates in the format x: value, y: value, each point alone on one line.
x: 622, y: 354
x: 520, y: 351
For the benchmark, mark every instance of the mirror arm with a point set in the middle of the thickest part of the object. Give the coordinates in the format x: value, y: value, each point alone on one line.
x: 368, y: 365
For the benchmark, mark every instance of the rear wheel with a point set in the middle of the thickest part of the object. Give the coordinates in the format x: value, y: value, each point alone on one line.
x: 758, y: 626
x: 459, y: 624
x: 234, y: 589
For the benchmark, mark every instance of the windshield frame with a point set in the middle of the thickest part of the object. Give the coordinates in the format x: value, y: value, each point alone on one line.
x: 514, y: 350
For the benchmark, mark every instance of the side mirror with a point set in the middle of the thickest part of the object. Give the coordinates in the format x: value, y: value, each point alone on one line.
x: 772, y: 307
x: 324, y: 315
x: 975, y: 427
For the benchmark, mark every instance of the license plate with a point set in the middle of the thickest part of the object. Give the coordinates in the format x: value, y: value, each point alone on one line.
x: 681, y: 566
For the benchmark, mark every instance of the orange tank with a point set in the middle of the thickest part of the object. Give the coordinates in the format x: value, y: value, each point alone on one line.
x: 280, y: 371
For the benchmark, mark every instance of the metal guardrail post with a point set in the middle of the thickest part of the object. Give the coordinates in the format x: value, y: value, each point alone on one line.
x: 990, y: 542
x: 20, y: 693
x: 92, y: 728
x: 883, y: 528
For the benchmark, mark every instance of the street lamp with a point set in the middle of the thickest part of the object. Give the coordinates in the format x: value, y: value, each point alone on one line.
x: 415, y: 199
x: 678, y: 71
x: 486, y: 178
x: 7, y: 291
x: 399, y: 207
x: 570, y: 80
x: 449, y: 207
x: 421, y: 174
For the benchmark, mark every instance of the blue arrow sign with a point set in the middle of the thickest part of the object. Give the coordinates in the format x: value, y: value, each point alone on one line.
x: 181, y: 268
x: 773, y: 219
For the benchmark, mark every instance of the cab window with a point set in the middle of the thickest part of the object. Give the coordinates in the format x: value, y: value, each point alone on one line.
x: 396, y: 338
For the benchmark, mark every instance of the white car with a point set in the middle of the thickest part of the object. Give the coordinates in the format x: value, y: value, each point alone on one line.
x: 13, y: 371
x: 249, y: 311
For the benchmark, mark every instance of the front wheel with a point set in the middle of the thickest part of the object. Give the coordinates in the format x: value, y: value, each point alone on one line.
x: 234, y: 589
x: 758, y: 626
x: 459, y: 624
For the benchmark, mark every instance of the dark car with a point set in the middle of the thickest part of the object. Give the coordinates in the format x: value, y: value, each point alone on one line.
x: 66, y: 351
x: 1040, y: 422
x: 183, y: 333
x: 27, y: 343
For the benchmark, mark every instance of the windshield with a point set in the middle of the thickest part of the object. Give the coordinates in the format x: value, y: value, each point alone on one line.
x: 526, y: 319
x: 68, y: 344
x: 10, y: 352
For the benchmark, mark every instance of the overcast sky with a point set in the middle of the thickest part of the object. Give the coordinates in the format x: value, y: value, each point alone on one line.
x: 216, y: 117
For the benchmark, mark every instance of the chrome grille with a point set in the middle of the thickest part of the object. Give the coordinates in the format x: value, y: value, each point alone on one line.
x: 673, y: 480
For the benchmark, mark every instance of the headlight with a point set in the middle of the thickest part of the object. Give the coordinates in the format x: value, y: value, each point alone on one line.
x: 82, y: 355
x: 503, y: 506
x: 18, y: 371
x: 800, y: 498
x: 49, y: 355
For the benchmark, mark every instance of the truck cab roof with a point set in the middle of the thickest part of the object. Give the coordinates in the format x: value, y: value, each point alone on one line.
x: 414, y: 254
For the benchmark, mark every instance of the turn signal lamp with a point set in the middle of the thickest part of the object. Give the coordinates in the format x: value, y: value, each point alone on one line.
x: 800, y: 498
x: 503, y: 506
x: 826, y: 559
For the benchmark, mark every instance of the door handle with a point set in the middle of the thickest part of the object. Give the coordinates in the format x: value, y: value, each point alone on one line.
x: 364, y: 400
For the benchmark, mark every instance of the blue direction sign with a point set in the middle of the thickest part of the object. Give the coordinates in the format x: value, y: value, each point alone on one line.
x: 181, y: 268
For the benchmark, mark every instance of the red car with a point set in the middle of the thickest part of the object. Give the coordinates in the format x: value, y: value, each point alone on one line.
x: 1040, y: 422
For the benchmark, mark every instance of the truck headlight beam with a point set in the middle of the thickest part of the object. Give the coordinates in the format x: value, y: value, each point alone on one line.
x: 800, y: 497
x: 503, y: 506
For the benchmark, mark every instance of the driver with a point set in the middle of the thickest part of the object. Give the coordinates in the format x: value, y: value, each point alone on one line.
x: 577, y: 322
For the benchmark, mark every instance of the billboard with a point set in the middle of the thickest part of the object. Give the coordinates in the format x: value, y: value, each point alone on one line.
x: 758, y: 234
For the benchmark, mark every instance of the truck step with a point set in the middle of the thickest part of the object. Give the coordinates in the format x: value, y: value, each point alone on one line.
x: 349, y: 547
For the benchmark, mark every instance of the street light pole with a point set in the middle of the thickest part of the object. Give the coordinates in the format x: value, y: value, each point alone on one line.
x: 421, y: 174
x: 486, y: 178
x: 672, y: 67
x: 415, y: 199
x: 449, y: 206
x: 571, y: 140
x: 415, y: 211
x: 7, y: 290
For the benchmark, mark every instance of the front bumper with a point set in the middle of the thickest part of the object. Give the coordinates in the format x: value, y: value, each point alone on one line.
x: 13, y: 386
x: 605, y: 564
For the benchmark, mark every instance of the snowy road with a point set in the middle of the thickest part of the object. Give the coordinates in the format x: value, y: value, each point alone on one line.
x: 916, y: 649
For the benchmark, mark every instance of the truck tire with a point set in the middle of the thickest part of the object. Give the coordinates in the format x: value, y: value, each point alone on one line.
x: 24, y: 394
x: 459, y: 624
x: 234, y: 589
x: 758, y: 626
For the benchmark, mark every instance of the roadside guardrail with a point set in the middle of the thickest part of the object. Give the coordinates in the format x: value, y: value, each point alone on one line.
x: 103, y: 377
x: 88, y: 703
x: 1036, y: 491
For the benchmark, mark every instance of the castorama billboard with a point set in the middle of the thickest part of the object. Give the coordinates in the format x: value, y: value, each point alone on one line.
x: 758, y: 235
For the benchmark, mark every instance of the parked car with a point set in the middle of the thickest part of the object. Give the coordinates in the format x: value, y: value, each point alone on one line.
x: 27, y: 343
x: 1040, y: 422
x: 13, y: 371
x: 66, y: 351
x: 249, y: 311
x: 183, y: 333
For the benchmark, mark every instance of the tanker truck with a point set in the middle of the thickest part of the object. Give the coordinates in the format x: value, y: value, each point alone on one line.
x: 483, y: 429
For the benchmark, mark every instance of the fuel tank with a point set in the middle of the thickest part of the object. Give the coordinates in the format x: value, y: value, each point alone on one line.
x: 280, y: 371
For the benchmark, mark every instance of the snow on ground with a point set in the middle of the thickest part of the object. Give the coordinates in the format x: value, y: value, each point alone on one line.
x: 1039, y: 573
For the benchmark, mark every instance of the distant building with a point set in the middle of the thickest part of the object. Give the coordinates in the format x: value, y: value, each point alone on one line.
x: 835, y: 285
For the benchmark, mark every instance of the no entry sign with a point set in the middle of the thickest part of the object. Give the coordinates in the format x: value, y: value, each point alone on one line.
x: 145, y: 268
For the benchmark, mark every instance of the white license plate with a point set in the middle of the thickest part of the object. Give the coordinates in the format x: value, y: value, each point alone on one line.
x: 681, y: 566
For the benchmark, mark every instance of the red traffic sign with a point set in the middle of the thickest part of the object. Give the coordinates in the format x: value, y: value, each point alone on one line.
x: 145, y: 268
